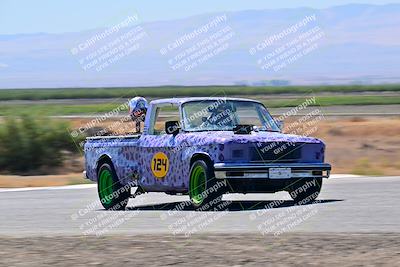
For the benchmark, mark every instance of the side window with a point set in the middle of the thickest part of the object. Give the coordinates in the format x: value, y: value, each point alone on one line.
x: 163, y: 114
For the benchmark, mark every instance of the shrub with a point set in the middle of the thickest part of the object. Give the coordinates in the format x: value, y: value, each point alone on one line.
x: 28, y: 144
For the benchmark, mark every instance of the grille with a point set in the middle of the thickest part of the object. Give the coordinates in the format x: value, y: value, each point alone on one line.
x: 276, y: 152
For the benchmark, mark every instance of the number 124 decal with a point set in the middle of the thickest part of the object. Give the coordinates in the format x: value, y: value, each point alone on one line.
x: 159, y: 165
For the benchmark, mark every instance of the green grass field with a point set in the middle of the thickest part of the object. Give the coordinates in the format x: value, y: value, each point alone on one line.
x: 8, y: 109
x: 171, y: 91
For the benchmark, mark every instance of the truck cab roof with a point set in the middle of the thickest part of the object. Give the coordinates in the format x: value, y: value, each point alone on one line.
x: 181, y: 100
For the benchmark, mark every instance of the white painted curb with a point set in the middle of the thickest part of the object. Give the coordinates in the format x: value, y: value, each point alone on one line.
x: 66, y: 187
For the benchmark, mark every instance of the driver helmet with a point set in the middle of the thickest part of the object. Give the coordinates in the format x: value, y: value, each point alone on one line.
x: 137, y: 108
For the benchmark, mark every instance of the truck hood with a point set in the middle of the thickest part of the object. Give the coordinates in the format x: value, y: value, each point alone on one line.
x: 227, y: 137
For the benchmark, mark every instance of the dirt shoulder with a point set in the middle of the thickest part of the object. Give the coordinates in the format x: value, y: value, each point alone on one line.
x: 13, y: 181
x: 362, y: 145
x: 204, y: 250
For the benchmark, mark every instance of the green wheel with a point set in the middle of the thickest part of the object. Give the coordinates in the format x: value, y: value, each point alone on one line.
x: 205, y: 191
x: 198, y: 185
x: 112, y: 194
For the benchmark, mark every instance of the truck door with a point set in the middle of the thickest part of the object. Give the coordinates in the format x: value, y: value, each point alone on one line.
x: 160, y: 153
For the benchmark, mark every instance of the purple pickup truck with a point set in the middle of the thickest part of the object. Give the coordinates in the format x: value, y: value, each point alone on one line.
x: 205, y: 147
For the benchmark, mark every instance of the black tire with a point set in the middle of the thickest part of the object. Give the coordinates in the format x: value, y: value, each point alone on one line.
x: 112, y: 195
x: 212, y: 191
x: 305, y: 191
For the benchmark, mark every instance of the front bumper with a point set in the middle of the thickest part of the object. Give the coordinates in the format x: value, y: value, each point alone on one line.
x: 264, y: 171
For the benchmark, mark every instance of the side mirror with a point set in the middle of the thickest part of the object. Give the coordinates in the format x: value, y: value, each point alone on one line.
x: 280, y: 125
x: 172, y: 127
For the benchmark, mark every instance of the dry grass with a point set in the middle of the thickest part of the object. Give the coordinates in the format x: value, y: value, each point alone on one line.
x: 355, y: 145
x: 13, y: 181
x: 367, y: 146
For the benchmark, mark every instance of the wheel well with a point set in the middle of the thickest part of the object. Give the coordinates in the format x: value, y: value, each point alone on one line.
x: 200, y: 156
x: 103, y: 159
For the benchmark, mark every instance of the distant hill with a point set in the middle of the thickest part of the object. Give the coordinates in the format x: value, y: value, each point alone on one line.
x: 361, y: 44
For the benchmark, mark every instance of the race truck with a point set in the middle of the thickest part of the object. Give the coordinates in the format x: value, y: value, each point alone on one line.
x: 204, y: 148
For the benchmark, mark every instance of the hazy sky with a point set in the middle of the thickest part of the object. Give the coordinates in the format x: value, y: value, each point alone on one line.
x: 55, y: 16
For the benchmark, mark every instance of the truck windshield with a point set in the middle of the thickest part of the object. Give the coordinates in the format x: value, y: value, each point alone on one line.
x: 224, y: 115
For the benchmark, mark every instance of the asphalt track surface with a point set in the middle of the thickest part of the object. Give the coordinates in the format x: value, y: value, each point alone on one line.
x: 346, y: 204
